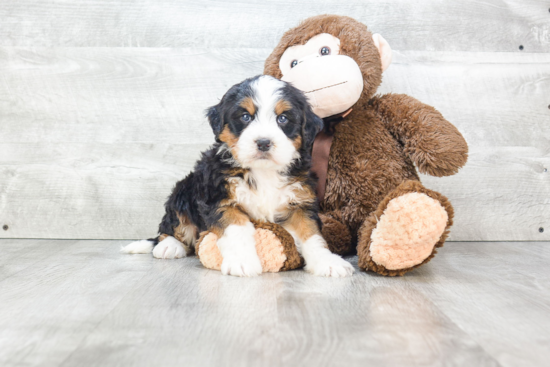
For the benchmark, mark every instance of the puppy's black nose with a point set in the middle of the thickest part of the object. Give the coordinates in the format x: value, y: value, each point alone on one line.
x: 263, y: 144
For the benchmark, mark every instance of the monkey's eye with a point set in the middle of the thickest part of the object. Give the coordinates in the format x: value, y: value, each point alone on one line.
x: 325, y: 51
x: 246, y: 118
x: 282, y: 119
x: 293, y: 63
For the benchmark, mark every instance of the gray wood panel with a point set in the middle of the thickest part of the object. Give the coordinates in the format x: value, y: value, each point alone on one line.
x: 467, y: 25
x: 116, y: 94
x: 64, y: 190
x: 93, y: 139
x: 474, y: 304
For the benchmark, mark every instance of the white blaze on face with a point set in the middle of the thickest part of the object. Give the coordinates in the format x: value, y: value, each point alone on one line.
x: 267, y: 92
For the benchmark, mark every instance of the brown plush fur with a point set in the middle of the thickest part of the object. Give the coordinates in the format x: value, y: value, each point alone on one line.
x: 293, y: 258
x: 375, y: 149
x: 337, y: 235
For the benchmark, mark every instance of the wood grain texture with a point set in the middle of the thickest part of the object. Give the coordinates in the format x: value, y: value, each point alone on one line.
x: 110, y: 95
x: 475, y: 304
x: 55, y: 303
x: 429, y: 25
x: 93, y: 139
x: 22, y: 254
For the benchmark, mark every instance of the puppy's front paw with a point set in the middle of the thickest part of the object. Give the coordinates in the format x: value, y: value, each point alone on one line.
x: 169, y: 248
x: 241, y: 266
x: 238, y: 248
x: 329, y: 265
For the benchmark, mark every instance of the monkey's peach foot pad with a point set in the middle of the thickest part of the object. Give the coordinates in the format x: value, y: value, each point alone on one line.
x: 407, y: 232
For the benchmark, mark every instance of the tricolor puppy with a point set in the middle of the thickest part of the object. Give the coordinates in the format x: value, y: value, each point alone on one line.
x: 257, y: 169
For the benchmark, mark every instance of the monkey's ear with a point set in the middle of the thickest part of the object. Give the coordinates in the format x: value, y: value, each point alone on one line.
x: 313, y: 124
x: 215, y: 120
x: 384, y: 50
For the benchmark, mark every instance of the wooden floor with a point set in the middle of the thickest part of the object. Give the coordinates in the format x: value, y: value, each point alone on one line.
x: 81, y: 303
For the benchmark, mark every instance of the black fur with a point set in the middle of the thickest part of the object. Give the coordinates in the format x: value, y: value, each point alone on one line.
x: 198, y: 195
x: 311, y: 123
x: 228, y: 111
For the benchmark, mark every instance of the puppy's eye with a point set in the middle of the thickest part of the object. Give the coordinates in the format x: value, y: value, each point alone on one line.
x: 324, y: 51
x: 282, y: 119
x: 293, y: 63
x: 246, y: 118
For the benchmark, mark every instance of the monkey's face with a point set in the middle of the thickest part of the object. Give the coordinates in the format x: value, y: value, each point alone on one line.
x: 333, y: 59
x: 332, y: 82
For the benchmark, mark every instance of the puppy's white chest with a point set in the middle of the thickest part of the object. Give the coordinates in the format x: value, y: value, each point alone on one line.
x: 267, y: 198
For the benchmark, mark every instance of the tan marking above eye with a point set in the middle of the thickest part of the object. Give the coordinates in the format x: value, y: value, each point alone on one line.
x: 282, y: 106
x: 248, y: 105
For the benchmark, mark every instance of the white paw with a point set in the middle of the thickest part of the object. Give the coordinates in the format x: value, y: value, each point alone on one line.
x: 242, y: 266
x: 238, y: 248
x: 138, y: 247
x: 169, y: 248
x: 329, y: 265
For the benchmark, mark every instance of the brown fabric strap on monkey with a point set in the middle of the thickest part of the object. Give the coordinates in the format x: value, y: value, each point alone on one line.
x: 321, y: 151
x: 319, y: 161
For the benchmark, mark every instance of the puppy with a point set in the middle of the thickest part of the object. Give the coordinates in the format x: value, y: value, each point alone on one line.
x: 257, y: 169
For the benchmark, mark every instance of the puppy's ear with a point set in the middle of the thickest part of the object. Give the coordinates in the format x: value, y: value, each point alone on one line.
x: 215, y: 120
x: 313, y: 124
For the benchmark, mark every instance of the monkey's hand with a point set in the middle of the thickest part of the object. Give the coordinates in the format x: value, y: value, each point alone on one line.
x: 433, y: 143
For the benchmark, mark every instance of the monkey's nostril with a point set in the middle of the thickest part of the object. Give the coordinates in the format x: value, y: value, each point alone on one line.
x: 263, y: 144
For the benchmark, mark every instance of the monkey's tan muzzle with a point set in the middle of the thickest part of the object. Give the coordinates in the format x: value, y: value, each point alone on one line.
x: 332, y: 84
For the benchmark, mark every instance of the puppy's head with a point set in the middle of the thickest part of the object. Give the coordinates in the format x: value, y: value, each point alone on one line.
x: 265, y: 123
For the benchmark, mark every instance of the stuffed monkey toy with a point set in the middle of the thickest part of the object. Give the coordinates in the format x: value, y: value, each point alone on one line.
x: 372, y: 201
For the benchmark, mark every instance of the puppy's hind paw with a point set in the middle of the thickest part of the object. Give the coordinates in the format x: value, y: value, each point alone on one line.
x: 138, y: 247
x: 169, y: 248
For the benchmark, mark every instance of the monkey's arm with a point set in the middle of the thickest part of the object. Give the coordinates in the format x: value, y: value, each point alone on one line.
x: 432, y: 142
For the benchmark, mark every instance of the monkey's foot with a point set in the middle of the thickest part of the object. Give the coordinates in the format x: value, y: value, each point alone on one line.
x: 404, y: 232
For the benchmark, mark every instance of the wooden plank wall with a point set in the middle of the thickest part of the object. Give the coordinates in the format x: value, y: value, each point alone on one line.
x: 101, y: 103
